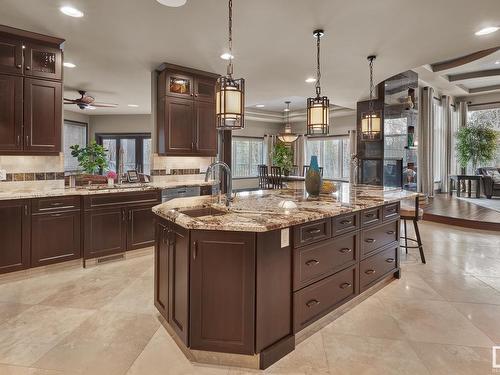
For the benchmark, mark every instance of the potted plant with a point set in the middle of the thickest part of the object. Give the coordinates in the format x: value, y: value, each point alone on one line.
x: 476, y: 143
x: 91, y: 159
x: 282, y: 156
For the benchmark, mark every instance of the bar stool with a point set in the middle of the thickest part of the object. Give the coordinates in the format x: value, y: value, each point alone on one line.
x: 413, y: 213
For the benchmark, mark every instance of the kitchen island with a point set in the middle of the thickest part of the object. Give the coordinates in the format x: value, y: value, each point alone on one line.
x: 235, y: 285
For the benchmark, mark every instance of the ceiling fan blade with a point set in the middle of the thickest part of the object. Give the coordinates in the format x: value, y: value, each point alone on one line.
x: 104, y: 105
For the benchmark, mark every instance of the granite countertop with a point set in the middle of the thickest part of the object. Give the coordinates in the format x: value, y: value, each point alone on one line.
x: 37, y: 192
x: 265, y: 210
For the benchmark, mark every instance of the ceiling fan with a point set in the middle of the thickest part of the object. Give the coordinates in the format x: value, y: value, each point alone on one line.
x: 88, y: 102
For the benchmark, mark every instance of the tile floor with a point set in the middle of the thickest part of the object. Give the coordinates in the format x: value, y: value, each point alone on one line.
x: 440, y: 318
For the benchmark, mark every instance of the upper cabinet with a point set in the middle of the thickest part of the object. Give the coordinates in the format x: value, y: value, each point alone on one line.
x: 186, y: 112
x: 30, y: 93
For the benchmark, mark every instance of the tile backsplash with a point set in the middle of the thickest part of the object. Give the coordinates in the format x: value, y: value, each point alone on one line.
x: 179, y: 165
x: 32, y: 169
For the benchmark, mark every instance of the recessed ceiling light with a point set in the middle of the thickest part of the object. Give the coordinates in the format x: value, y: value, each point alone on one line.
x: 69, y: 65
x: 172, y: 3
x: 133, y: 105
x: 497, y: 62
x: 487, y: 30
x: 72, y: 12
x: 310, y: 80
x: 260, y: 105
x: 226, y: 56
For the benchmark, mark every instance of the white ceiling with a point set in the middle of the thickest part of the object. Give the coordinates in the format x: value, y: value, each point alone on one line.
x: 118, y: 42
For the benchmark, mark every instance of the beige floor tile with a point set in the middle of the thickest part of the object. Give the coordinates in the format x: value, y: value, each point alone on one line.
x: 411, y: 286
x: 137, y: 297
x: 349, y: 355
x: 18, y: 370
x: 9, y: 310
x: 453, y: 359
x: 369, y: 318
x: 485, y: 317
x: 133, y: 267
x: 494, y: 282
x: 161, y: 356
x: 477, y: 266
x: 90, y: 292
x: 28, y: 336
x: 434, y: 321
x: 106, y: 343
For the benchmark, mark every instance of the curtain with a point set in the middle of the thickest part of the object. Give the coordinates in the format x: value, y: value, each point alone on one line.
x: 299, y: 149
x: 448, y: 146
x: 425, y: 143
x: 353, y: 169
x: 463, y: 108
x: 269, y: 142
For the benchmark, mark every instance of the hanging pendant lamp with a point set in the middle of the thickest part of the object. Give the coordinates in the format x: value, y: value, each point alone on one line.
x: 230, y: 92
x: 288, y: 136
x: 371, y: 121
x: 318, y: 108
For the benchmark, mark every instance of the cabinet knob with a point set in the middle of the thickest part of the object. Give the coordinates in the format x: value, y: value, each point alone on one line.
x: 28, y: 68
x: 19, y: 66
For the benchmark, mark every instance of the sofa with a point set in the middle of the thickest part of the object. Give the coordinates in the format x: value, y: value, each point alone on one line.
x: 491, y: 181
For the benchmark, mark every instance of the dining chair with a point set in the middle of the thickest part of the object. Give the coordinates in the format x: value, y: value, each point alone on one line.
x: 306, y: 168
x: 263, y: 176
x: 276, y: 178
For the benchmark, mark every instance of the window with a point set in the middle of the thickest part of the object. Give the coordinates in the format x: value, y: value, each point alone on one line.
x: 75, y: 133
x: 333, y: 155
x: 491, y: 116
x: 134, y: 148
x: 247, y: 154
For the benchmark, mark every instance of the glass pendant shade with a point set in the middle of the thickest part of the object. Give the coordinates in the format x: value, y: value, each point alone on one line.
x: 230, y: 103
x: 318, y: 116
x: 371, y: 125
x: 288, y: 136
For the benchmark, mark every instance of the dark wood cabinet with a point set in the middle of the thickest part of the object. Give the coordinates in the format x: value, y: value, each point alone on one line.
x: 30, y: 93
x: 55, y: 237
x: 162, y: 268
x: 105, y: 232
x: 14, y: 235
x: 42, y: 115
x: 141, y: 227
x: 222, y: 310
x: 186, y: 112
x: 11, y: 112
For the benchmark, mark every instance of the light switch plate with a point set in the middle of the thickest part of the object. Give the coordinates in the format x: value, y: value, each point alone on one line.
x: 285, y: 237
x: 3, y: 174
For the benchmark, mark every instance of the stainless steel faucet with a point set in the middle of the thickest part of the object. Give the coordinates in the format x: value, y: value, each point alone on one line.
x: 229, y: 179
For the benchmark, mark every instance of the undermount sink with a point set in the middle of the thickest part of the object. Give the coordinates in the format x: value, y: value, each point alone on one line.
x: 202, y: 211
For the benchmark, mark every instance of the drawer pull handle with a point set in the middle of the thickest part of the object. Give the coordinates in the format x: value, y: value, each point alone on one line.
x: 345, y: 222
x: 370, y: 272
x: 345, y: 250
x: 312, y: 302
x: 195, y: 249
x: 370, y: 240
x: 390, y: 260
x: 390, y: 232
x: 345, y: 285
x: 312, y: 262
x: 370, y: 215
x: 56, y: 215
x: 314, y: 231
x: 55, y: 204
x: 391, y: 210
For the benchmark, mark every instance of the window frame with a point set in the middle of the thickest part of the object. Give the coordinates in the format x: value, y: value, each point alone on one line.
x: 341, y: 138
x: 76, y: 123
x: 138, y: 137
x: 246, y: 137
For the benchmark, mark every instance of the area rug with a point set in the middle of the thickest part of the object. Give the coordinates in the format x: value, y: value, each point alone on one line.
x: 492, y: 204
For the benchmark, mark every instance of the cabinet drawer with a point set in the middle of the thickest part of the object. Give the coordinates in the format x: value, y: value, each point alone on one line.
x: 42, y: 205
x: 376, y: 238
x: 371, y: 216
x: 377, y: 266
x: 318, y: 299
x: 312, y: 232
x: 391, y: 211
x: 111, y: 199
x: 345, y: 223
x: 316, y: 261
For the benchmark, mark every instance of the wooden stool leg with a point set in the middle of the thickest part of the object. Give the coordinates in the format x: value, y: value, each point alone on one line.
x: 470, y: 188
x: 419, y: 242
x: 406, y: 237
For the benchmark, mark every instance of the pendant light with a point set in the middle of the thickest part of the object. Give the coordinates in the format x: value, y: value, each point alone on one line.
x: 371, y: 121
x: 230, y: 92
x: 287, y: 136
x: 318, y: 108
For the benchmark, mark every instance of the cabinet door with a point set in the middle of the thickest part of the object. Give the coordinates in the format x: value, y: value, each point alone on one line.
x: 62, y: 243
x: 206, y: 133
x: 205, y: 89
x: 42, y: 115
x: 11, y: 113
x: 179, y: 126
x: 11, y: 55
x: 105, y: 232
x: 141, y: 227
x: 179, y: 281
x: 14, y: 235
x: 180, y: 85
x: 222, y: 299
x: 162, y: 269
x: 43, y: 61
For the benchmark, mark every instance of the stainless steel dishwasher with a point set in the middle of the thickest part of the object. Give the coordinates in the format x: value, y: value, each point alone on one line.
x: 179, y: 192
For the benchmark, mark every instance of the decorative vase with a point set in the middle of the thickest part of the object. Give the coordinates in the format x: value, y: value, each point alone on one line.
x: 313, y: 178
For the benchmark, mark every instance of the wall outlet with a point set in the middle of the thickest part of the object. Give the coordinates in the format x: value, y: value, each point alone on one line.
x: 3, y: 174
